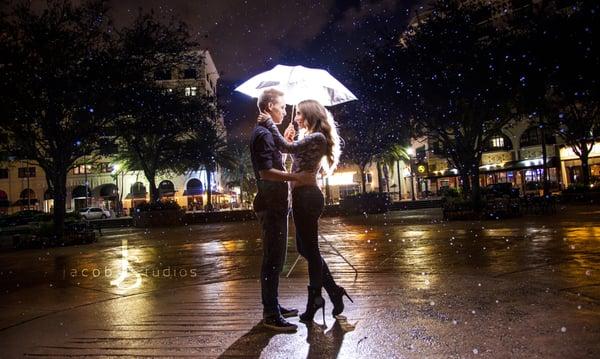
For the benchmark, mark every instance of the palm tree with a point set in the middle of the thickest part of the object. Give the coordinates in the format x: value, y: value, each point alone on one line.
x: 395, y: 154
x: 242, y: 173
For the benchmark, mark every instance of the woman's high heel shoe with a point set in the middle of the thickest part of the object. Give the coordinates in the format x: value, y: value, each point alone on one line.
x: 315, y: 302
x: 337, y: 298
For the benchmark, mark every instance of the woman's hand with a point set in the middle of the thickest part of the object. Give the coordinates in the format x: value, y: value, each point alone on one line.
x: 290, y: 133
x: 263, y: 117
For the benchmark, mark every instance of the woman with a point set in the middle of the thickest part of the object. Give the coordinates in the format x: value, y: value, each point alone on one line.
x: 318, y: 148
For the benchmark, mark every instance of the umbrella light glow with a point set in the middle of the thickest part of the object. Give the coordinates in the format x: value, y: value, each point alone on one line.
x: 299, y: 83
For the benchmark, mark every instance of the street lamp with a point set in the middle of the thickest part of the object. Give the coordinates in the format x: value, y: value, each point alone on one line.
x: 411, y: 153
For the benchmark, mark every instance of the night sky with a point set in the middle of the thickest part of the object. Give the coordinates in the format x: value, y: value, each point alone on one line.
x: 248, y: 37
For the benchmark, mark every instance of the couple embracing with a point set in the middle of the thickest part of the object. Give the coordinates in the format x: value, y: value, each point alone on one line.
x: 317, y: 149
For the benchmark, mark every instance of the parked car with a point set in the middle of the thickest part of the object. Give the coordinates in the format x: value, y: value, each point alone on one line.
x: 94, y: 213
x: 505, y: 189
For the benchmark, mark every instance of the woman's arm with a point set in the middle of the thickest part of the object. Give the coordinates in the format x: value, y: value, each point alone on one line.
x: 309, y: 141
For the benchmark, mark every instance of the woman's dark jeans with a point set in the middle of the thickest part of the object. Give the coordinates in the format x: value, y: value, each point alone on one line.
x: 307, y: 206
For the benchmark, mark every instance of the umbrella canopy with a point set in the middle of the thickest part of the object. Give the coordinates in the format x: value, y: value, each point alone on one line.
x: 299, y: 83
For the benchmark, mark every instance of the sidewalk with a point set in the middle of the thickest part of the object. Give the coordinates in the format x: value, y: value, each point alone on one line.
x: 394, y: 316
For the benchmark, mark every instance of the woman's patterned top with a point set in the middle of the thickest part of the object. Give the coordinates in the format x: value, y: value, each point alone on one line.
x: 306, y: 153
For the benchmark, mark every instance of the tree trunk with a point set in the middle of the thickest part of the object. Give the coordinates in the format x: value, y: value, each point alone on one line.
x: 585, y: 168
x: 386, y: 177
x: 475, y: 186
x: 209, y: 206
x: 545, y: 183
x: 154, y: 195
x: 363, y: 177
x: 59, y: 181
x: 380, y: 177
x: 399, y: 181
x: 466, y: 182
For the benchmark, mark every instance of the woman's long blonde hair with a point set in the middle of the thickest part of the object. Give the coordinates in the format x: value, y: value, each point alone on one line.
x: 320, y: 120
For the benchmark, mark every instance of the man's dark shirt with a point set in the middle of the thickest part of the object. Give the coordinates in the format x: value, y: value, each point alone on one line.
x: 265, y: 155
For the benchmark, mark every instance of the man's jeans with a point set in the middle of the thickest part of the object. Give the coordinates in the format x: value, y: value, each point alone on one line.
x: 274, y: 225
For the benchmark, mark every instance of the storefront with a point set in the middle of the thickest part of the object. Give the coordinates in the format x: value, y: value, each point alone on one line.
x: 571, y: 165
x: 526, y: 175
x: 194, y: 191
x: 81, y: 197
x: 137, y: 195
x: 107, y: 196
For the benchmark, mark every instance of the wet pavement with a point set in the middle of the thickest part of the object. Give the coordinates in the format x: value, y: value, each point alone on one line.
x: 527, y: 287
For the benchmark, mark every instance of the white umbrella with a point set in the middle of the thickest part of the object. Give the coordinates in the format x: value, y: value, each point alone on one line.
x: 299, y: 83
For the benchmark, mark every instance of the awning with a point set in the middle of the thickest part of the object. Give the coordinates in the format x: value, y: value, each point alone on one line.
x: 194, y: 188
x: 79, y: 192
x: 107, y: 190
x: 193, y: 192
x: 4, y: 202
x: 138, y: 190
x: 166, y: 188
x: 526, y: 164
x: 508, y: 166
x: 49, y: 194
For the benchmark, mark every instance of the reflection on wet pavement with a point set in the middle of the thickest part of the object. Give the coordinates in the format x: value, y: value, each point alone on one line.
x: 442, y: 264
x: 413, y: 242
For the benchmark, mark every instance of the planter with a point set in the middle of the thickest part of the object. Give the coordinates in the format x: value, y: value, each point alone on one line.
x: 366, y: 203
x: 158, y: 218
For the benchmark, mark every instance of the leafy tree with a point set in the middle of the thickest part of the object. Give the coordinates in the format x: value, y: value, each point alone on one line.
x: 372, y: 126
x: 54, y: 92
x: 551, y: 50
x: 159, y: 126
x: 449, y: 74
x: 574, y: 87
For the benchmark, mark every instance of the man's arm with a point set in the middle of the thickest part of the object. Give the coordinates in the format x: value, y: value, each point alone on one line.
x: 301, y: 178
x: 277, y: 175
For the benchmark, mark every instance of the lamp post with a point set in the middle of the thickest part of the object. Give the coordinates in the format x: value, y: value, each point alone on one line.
x: 86, y: 180
x: 411, y: 153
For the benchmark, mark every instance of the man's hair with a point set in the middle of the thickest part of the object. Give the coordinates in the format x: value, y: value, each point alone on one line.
x: 268, y: 96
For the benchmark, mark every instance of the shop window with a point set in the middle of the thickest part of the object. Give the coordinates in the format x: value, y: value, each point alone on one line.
x: 25, y: 172
x: 191, y: 91
x: 190, y: 73
x: 82, y: 169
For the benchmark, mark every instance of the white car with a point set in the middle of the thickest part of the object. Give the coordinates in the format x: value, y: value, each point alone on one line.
x: 94, y: 213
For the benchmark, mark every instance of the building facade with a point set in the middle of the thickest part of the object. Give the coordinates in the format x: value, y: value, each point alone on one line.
x: 104, y: 184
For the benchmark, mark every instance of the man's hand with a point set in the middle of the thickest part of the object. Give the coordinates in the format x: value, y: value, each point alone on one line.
x: 263, y: 117
x: 290, y: 133
x: 305, y: 179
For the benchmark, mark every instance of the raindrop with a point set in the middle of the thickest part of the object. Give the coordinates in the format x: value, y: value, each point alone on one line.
x: 563, y: 329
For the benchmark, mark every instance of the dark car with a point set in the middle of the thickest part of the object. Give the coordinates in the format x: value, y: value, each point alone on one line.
x: 502, y: 190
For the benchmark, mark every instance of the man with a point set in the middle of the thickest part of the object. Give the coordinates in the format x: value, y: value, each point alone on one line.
x: 271, y: 207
